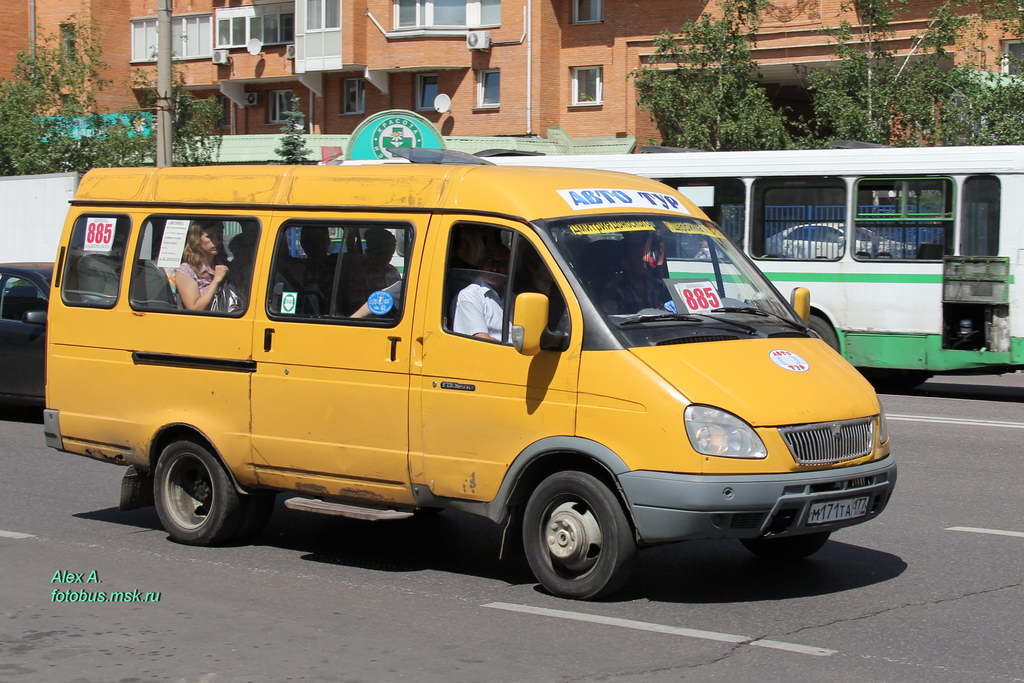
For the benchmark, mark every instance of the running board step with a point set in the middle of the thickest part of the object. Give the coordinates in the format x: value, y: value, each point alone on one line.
x: 322, y: 507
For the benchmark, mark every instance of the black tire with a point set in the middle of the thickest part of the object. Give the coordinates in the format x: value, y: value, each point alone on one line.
x: 824, y: 330
x: 195, y: 499
x: 257, y: 509
x: 787, y: 548
x: 576, y: 537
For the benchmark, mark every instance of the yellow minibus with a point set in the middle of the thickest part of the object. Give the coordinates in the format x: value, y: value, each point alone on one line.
x: 580, y: 356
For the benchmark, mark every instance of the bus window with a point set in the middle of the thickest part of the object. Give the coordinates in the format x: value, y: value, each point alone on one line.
x: 722, y: 199
x: 92, y: 274
x: 904, y: 218
x: 799, y: 218
x: 979, y: 217
x: 170, y: 249
x: 339, y: 272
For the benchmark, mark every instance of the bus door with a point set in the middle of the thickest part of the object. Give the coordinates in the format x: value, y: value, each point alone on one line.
x: 481, y: 402
x: 331, y: 345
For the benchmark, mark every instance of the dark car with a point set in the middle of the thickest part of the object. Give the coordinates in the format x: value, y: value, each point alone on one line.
x: 24, y: 291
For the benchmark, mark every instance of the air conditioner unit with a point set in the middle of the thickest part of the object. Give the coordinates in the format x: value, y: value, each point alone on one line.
x: 252, y: 99
x: 221, y: 57
x: 289, y: 51
x: 478, y: 40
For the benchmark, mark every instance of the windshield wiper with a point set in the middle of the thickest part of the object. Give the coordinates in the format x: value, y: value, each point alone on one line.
x: 659, y: 317
x: 757, y: 311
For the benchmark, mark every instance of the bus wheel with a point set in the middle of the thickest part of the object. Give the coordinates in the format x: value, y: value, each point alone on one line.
x: 787, y: 548
x: 195, y: 498
x: 577, y: 539
x: 824, y: 330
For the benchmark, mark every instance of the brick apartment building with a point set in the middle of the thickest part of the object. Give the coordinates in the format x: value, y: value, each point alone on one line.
x: 510, y: 67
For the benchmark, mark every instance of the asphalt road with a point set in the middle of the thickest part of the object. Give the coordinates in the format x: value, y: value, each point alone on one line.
x: 930, y: 591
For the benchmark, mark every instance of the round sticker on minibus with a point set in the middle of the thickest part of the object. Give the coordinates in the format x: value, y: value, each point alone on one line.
x: 787, y: 360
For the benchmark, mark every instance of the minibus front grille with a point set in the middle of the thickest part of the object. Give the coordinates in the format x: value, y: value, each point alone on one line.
x: 826, y: 443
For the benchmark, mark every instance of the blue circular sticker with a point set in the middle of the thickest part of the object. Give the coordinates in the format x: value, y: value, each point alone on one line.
x: 380, y: 302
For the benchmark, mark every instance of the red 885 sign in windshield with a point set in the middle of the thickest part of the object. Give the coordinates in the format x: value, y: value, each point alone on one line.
x: 99, y: 234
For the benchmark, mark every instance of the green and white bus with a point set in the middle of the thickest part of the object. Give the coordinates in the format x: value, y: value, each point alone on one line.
x: 914, y: 256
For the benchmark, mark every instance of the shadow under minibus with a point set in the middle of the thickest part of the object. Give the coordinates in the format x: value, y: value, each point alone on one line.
x: 694, y: 572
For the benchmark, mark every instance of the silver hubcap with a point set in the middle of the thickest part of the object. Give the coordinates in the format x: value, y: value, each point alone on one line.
x: 573, y: 536
x: 189, y: 492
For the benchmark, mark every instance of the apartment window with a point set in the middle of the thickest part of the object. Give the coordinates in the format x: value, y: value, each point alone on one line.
x: 1013, y: 57
x: 446, y: 13
x: 426, y: 91
x: 323, y: 14
x: 268, y: 23
x: 190, y: 38
x: 488, y: 86
x: 353, y: 96
x: 280, y: 104
x: 586, y: 85
x: 587, y: 11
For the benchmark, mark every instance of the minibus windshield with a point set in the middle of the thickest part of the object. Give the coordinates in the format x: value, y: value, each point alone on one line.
x: 647, y: 270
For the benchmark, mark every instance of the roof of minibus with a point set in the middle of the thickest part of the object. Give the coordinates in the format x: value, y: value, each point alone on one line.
x: 529, y: 193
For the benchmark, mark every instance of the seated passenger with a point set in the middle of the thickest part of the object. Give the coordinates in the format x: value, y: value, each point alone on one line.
x: 478, y: 307
x: 202, y: 272
x: 373, y: 272
x: 635, y: 286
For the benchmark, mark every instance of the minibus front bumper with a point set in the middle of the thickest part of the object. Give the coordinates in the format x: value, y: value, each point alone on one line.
x: 675, y: 507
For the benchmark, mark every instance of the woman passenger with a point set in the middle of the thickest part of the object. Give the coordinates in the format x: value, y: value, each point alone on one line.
x: 201, y: 271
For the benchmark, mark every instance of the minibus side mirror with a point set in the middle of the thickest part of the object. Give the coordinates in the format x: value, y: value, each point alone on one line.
x: 528, y: 322
x: 34, y: 317
x: 800, y: 300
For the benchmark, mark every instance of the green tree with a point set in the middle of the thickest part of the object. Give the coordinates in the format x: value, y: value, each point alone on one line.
x: 292, y: 148
x: 711, y: 99
x: 921, y: 97
x: 48, y: 117
x: 196, y: 121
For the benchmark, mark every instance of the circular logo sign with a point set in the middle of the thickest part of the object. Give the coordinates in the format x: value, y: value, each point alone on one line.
x: 395, y: 131
x: 787, y: 360
x: 380, y: 303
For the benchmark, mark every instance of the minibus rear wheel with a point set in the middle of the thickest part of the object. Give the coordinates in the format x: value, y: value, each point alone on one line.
x: 577, y: 539
x: 195, y: 499
x: 787, y: 548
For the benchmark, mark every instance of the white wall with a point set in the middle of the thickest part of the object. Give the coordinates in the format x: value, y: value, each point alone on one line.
x: 32, y: 211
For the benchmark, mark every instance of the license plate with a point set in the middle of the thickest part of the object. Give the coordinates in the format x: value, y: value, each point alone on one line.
x: 838, y: 510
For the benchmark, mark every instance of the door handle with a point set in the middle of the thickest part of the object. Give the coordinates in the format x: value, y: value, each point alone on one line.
x: 268, y: 338
x: 394, y: 347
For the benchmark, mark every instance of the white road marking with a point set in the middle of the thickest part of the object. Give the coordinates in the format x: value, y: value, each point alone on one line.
x: 663, y: 628
x: 14, y: 534
x: 994, y: 532
x: 961, y: 421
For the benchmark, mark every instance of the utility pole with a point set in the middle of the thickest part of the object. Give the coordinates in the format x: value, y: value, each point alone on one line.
x: 164, y: 123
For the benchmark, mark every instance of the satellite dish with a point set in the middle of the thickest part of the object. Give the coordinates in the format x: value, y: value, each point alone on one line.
x: 442, y: 103
x: 254, y: 46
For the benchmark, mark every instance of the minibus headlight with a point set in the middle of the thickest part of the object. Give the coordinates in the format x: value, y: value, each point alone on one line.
x: 883, y: 426
x: 715, y: 432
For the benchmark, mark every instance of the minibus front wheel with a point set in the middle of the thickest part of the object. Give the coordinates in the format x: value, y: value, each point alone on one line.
x: 577, y: 539
x: 194, y: 496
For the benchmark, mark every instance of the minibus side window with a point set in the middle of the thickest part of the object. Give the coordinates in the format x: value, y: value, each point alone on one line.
x: 92, y: 272
x: 179, y: 258
x: 487, y: 267
x: 476, y: 282
x: 340, y: 271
